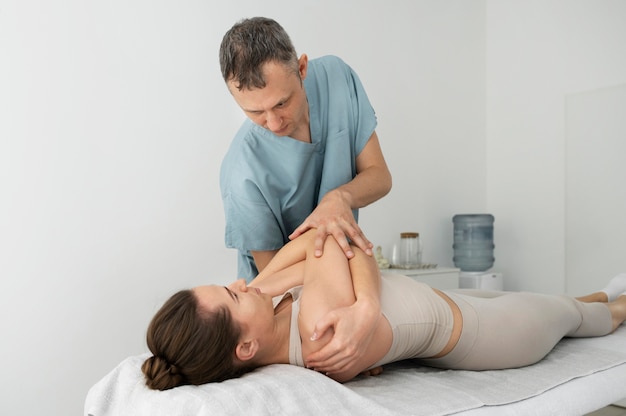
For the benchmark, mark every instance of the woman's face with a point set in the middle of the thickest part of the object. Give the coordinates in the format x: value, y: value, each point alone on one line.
x: 251, y: 309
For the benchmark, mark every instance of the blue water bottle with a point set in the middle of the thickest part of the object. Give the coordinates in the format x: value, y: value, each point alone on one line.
x: 473, y: 242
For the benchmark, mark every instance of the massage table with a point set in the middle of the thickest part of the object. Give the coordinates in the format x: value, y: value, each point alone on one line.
x: 579, y: 376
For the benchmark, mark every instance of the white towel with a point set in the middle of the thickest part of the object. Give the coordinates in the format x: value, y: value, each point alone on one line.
x: 403, y: 389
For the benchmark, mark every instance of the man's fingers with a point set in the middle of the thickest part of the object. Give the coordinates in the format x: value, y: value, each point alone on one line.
x: 333, y: 362
x: 342, y: 240
x: 321, y: 326
x: 363, y: 243
x: 358, y: 238
x: 320, y: 238
x: 334, y: 366
x: 333, y: 357
x: 299, y: 231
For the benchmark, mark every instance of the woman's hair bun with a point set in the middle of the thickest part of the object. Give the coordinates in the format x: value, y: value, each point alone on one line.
x: 160, y: 374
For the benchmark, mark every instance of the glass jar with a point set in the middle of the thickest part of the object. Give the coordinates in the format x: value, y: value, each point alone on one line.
x: 407, y: 254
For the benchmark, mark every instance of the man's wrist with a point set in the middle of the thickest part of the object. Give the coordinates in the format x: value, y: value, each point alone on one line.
x: 341, y: 194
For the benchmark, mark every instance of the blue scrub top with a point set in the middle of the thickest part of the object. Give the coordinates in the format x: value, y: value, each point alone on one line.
x: 270, y: 184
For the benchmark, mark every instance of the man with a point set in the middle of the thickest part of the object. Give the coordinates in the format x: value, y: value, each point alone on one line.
x: 308, y: 157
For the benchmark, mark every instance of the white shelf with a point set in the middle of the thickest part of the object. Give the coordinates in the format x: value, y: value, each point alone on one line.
x: 442, y: 278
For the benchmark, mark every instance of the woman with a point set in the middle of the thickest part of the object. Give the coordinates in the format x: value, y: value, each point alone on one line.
x: 213, y: 333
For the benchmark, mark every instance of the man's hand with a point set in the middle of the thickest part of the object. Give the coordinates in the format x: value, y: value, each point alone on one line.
x: 353, y: 330
x: 376, y: 371
x: 333, y: 216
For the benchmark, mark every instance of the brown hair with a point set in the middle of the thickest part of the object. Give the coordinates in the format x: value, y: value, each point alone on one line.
x: 190, y: 345
x: 251, y: 43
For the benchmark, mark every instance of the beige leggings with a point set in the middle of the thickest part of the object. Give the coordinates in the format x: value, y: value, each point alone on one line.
x: 514, y: 329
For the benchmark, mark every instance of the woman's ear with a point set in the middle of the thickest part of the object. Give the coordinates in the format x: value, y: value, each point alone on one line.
x: 246, y: 350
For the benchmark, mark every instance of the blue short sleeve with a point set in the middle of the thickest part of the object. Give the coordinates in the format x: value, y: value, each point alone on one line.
x: 270, y: 184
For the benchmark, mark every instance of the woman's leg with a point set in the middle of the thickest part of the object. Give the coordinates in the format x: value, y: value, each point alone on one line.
x: 615, y: 288
x: 617, y: 307
x: 594, y: 297
x: 614, y: 295
x: 518, y: 329
x: 618, y: 311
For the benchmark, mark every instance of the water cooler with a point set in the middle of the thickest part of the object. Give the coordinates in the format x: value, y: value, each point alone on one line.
x: 473, y: 252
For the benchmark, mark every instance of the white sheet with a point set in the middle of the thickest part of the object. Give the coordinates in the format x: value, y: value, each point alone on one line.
x: 580, y: 375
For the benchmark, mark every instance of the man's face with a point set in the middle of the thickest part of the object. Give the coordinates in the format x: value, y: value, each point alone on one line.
x: 281, y: 106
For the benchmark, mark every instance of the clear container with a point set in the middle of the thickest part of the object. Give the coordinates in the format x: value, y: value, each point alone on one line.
x: 407, y: 254
x: 473, y: 242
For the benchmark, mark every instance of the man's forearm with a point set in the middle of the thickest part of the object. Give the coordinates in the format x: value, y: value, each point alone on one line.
x: 367, y: 186
x: 373, y: 179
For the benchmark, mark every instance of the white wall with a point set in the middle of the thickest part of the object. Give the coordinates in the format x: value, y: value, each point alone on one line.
x: 114, y: 120
x: 539, y: 52
x: 595, y: 204
x: 113, y: 123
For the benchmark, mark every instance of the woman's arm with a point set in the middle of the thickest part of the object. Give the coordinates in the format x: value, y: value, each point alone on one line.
x: 328, y: 290
x: 327, y: 286
x: 354, y: 325
x: 286, y: 269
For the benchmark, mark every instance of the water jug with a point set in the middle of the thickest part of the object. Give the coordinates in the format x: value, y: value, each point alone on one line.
x: 473, y: 242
